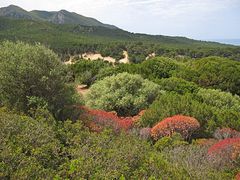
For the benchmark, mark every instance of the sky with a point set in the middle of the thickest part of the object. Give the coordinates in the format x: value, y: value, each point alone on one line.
x: 197, y: 19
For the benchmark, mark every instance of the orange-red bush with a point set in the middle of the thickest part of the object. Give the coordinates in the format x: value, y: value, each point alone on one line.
x: 184, y: 125
x: 98, y: 119
x: 226, y: 149
x: 226, y: 133
x: 237, y: 177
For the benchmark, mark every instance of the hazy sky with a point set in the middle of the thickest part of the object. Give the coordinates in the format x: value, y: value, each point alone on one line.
x: 198, y: 19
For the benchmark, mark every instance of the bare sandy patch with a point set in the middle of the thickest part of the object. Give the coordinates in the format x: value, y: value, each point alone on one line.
x: 152, y: 55
x: 125, y: 60
x: 97, y: 56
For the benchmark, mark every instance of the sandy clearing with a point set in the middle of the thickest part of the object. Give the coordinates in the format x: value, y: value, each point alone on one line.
x: 93, y: 57
x: 97, y: 56
x: 125, y: 60
x: 152, y: 55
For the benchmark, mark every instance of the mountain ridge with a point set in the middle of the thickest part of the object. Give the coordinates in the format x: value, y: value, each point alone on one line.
x: 57, y: 17
x: 69, y: 38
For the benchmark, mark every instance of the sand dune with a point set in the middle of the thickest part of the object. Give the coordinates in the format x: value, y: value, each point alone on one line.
x: 97, y: 56
x: 125, y: 60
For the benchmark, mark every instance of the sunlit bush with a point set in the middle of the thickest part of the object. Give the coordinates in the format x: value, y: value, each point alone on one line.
x: 219, y: 99
x: 124, y: 93
x: 209, y: 117
x: 97, y: 120
x: 183, y: 125
x: 228, y: 149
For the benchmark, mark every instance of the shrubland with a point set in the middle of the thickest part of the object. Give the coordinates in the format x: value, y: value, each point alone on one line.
x: 167, y: 120
x: 124, y: 93
x: 32, y: 76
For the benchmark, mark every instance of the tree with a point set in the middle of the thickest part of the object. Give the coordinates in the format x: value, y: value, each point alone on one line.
x: 158, y: 68
x: 218, y: 73
x: 28, y: 71
x: 86, y: 71
x: 219, y: 98
x: 177, y: 85
x: 124, y: 93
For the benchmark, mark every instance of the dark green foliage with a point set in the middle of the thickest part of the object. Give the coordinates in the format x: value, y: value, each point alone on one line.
x: 104, y: 156
x: 77, y: 39
x: 209, y: 116
x: 32, y: 71
x: 39, y: 148
x: 153, y: 69
x: 214, y: 72
x: 158, y: 68
x: 29, y: 147
x: 177, y: 85
x: 85, y: 72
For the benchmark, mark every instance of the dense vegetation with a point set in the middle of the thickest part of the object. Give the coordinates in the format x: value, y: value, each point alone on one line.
x: 190, y: 129
x: 71, y: 39
x: 124, y: 93
x: 32, y: 76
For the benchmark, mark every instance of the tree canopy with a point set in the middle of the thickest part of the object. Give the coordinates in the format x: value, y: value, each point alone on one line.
x: 124, y: 93
x: 30, y: 75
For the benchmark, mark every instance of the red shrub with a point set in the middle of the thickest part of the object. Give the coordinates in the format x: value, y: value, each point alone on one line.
x: 177, y: 124
x: 226, y: 133
x: 237, y: 177
x: 226, y: 149
x: 138, y: 116
x: 97, y: 119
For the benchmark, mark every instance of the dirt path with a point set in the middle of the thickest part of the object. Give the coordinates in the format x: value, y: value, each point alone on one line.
x: 82, y: 90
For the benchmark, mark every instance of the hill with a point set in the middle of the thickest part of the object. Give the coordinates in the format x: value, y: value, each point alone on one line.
x: 57, y: 17
x: 61, y: 32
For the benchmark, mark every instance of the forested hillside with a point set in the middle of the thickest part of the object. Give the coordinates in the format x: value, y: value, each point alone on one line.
x: 71, y: 39
x: 56, y: 17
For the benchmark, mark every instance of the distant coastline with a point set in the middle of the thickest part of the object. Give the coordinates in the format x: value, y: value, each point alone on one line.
x: 227, y: 41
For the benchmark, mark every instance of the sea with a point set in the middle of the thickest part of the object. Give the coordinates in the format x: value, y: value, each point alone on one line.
x: 235, y: 42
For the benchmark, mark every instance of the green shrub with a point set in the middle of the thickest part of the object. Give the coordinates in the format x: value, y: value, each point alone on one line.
x: 29, y: 147
x: 195, y: 162
x: 158, y: 68
x: 214, y: 72
x: 219, y: 99
x: 209, y: 117
x: 177, y: 85
x: 85, y: 71
x: 103, y: 155
x: 124, y: 93
x: 42, y: 148
x: 169, y: 142
x: 32, y: 71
